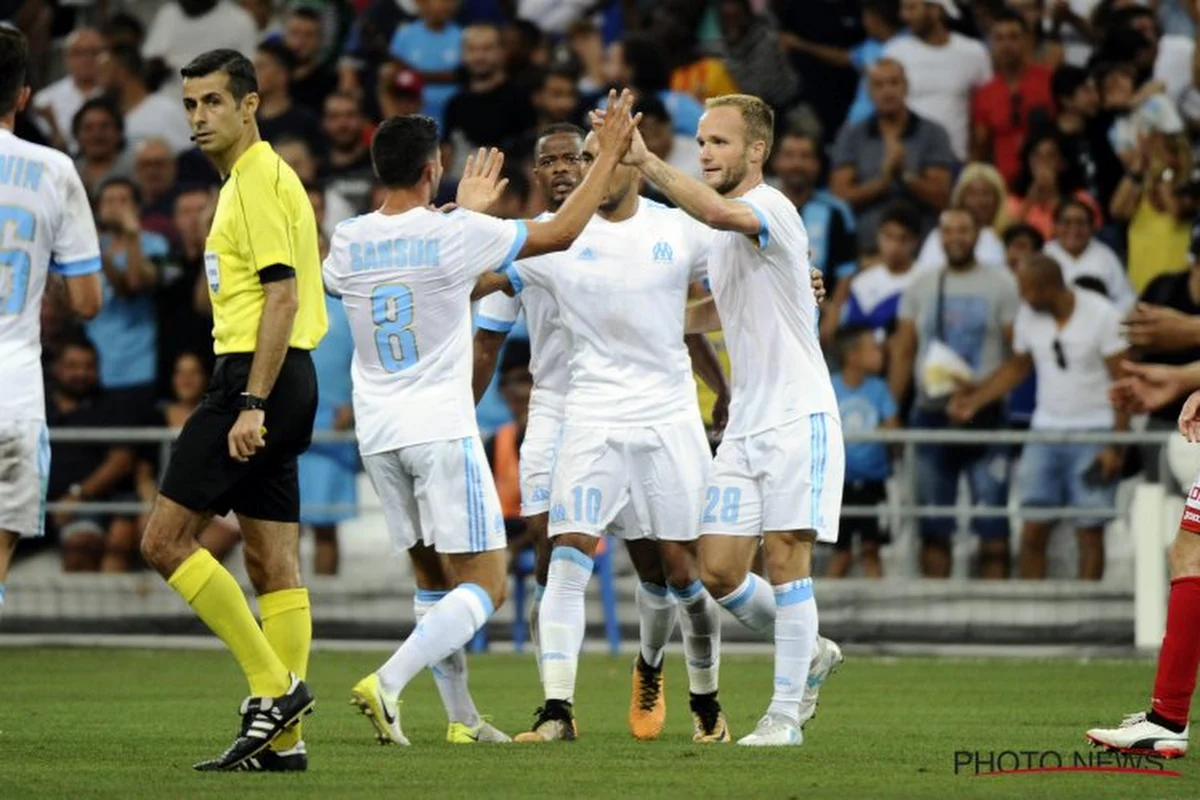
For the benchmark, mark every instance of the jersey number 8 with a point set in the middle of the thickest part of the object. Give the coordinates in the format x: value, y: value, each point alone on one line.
x: 14, y: 262
x: 392, y: 313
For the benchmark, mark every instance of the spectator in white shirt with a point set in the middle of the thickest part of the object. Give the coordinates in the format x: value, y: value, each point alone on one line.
x: 943, y: 68
x: 55, y: 105
x: 1081, y: 255
x: 146, y: 113
x: 184, y: 29
x: 980, y: 189
x: 1072, y: 337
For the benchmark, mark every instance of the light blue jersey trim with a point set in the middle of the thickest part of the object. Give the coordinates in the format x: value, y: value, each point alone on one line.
x: 494, y: 325
x: 688, y: 592
x: 764, y: 230
x: 518, y: 243
x: 481, y: 524
x: 654, y: 589
x: 514, y: 277
x: 576, y: 557
x: 430, y: 595
x: 74, y: 269
x: 485, y: 601
x: 795, y: 592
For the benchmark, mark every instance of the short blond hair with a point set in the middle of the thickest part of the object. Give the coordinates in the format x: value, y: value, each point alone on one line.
x: 756, y: 113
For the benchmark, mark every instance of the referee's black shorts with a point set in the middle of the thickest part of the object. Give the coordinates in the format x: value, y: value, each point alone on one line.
x: 203, y: 478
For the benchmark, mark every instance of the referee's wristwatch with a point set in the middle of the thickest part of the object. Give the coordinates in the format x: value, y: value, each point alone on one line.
x: 251, y: 402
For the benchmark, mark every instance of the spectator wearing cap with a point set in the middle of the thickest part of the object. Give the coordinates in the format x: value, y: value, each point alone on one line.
x: 881, y: 23
x: 658, y: 131
x: 277, y: 114
x: 943, y: 68
x: 347, y: 167
x: 829, y: 221
x: 1002, y: 107
x: 154, y: 172
x: 893, y: 155
x: 125, y: 331
x: 433, y: 47
x: 1081, y: 255
x: 55, y: 105
x: 312, y: 80
x: 753, y: 53
x: 146, y: 113
x: 490, y: 110
x: 399, y: 91
x: 183, y: 29
x: 979, y: 189
x: 99, y: 129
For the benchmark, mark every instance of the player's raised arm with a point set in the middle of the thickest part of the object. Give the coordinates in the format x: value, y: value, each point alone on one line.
x: 693, y: 196
x: 613, y: 135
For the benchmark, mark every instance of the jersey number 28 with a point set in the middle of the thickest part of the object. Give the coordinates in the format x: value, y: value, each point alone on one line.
x: 392, y: 313
x: 14, y: 261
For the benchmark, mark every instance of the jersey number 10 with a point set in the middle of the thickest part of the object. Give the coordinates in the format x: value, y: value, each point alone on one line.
x: 14, y: 261
x: 392, y: 313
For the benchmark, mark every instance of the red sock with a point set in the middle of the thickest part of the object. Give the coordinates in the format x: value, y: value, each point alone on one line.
x: 1180, y: 655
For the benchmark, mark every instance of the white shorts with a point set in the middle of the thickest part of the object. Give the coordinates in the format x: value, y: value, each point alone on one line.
x: 24, y: 476
x: 539, y: 450
x: 440, y: 494
x: 659, y: 472
x: 784, y: 479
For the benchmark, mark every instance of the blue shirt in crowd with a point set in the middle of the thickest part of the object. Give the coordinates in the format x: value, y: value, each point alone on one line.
x: 430, y: 51
x: 863, y: 57
x: 125, y: 332
x: 865, y: 408
x: 830, y: 226
x: 331, y: 361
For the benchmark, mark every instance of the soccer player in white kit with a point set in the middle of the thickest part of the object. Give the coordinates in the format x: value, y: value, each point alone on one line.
x: 45, y: 227
x: 777, y: 476
x: 405, y: 274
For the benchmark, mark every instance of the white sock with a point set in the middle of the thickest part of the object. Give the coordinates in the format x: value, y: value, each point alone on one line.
x: 795, y: 644
x: 656, y: 609
x: 535, y: 638
x: 701, y: 626
x: 753, y: 603
x: 562, y: 620
x: 447, y: 627
x: 450, y: 674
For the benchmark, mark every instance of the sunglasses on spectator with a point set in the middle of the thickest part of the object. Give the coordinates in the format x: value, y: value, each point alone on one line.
x: 1060, y: 357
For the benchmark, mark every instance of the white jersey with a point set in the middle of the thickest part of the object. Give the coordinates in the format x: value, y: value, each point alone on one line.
x: 45, y: 224
x: 763, y: 290
x: 549, y: 343
x: 405, y: 281
x: 622, y: 295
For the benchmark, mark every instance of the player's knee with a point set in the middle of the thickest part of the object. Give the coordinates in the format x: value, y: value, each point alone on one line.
x: 577, y: 541
x: 721, y: 580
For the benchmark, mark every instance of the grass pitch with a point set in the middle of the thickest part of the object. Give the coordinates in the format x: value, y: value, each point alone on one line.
x: 83, y: 723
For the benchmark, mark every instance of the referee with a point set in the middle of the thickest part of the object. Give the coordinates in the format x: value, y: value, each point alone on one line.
x: 238, y: 450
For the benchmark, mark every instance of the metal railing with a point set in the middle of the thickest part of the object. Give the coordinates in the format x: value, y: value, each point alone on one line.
x: 909, y: 438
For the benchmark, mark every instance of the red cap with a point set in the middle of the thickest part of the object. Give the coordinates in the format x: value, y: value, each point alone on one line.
x: 407, y: 82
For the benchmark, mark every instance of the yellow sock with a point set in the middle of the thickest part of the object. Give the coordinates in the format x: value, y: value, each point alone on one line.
x: 218, y: 600
x: 287, y: 624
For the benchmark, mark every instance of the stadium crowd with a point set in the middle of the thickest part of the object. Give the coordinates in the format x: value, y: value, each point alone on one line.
x: 930, y: 146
